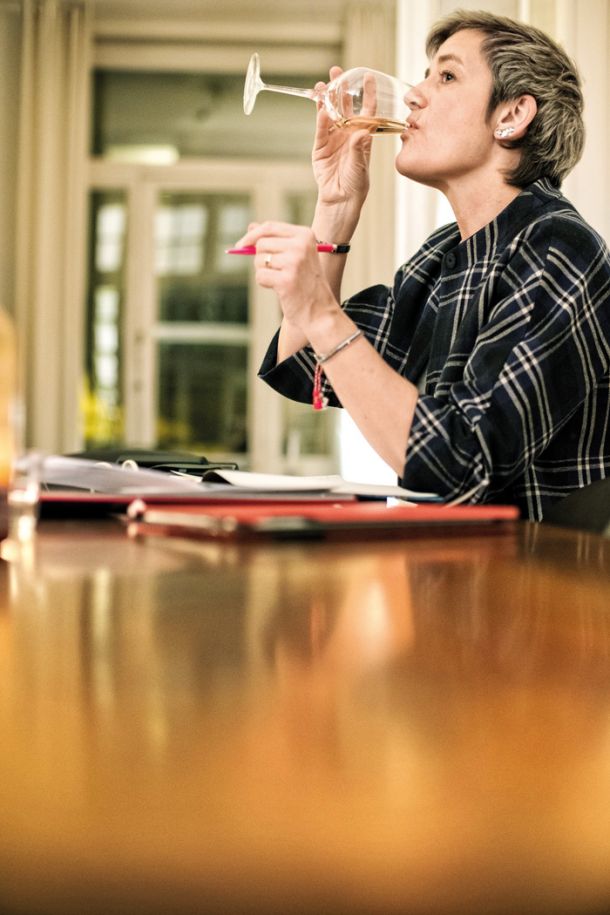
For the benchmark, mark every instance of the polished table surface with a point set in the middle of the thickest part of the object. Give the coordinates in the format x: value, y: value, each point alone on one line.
x: 419, y: 725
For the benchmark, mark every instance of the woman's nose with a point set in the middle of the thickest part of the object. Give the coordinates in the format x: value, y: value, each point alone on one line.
x: 415, y: 98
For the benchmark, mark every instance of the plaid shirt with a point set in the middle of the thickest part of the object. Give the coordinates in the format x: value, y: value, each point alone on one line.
x: 510, y: 332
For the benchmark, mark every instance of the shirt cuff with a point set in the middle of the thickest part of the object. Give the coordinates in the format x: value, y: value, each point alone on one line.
x: 293, y: 377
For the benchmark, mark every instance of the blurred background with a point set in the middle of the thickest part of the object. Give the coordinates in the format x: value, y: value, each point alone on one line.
x: 127, y: 167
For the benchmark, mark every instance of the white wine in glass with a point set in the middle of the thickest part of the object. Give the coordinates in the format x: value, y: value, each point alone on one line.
x: 360, y: 98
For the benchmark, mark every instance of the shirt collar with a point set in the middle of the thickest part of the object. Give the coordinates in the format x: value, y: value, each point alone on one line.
x: 509, y: 222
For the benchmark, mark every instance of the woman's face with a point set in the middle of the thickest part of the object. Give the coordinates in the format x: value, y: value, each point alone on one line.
x: 449, y: 136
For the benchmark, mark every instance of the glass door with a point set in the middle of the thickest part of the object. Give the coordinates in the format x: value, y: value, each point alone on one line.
x: 177, y: 328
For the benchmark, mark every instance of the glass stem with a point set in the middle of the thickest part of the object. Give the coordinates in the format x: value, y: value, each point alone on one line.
x: 292, y: 90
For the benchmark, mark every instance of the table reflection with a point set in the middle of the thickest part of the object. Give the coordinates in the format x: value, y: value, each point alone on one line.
x: 430, y: 711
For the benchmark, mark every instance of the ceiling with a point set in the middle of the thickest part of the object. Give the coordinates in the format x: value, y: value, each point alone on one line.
x: 196, y: 9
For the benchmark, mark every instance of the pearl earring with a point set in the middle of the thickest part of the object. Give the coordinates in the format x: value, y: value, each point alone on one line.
x: 503, y: 132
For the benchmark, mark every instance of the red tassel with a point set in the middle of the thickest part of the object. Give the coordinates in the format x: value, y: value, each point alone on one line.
x: 318, y: 401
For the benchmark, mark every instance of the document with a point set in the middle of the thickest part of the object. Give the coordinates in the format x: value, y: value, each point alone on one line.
x: 105, y: 478
x: 332, y: 484
x: 76, y: 474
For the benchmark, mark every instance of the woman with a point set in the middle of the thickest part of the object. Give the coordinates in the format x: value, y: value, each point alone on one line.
x: 483, y: 372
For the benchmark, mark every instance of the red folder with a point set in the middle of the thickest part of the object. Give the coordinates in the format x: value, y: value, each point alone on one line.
x: 309, y: 520
x: 66, y: 503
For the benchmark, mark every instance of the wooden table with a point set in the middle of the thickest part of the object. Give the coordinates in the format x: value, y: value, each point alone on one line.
x: 409, y: 726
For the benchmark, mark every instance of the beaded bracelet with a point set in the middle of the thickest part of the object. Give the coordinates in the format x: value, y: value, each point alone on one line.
x: 318, y: 401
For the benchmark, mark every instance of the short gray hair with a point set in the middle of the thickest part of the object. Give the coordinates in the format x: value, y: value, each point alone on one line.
x: 524, y: 61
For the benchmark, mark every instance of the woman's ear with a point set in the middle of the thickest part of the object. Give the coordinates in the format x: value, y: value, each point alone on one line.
x: 513, y: 118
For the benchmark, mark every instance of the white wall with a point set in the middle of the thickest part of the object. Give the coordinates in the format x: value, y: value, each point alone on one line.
x: 584, y: 31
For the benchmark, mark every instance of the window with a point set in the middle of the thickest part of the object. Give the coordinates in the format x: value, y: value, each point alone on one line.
x: 202, y: 322
x: 177, y: 328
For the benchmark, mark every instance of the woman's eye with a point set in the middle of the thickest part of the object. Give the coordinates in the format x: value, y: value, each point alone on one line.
x: 447, y: 76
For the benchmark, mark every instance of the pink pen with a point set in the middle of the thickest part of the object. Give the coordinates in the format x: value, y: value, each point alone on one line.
x: 250, y: 249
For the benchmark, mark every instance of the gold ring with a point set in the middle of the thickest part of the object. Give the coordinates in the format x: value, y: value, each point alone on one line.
x: 267, y: 260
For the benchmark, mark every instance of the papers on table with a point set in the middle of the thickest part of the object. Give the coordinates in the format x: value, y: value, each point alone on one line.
x: 235, y: 503
x: 101, y: 477
x: 105, y: 478
x: 331, y: 484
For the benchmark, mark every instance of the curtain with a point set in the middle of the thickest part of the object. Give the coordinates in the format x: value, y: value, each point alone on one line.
x: 51, y: 216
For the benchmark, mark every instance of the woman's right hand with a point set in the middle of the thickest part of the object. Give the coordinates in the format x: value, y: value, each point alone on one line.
x: 340, y: 159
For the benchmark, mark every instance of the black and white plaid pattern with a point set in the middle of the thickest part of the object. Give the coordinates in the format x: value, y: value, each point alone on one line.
x: 511, y: 331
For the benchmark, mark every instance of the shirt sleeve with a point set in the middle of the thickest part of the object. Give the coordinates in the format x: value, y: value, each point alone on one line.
x: 371, y: 310
x: 538, y: 354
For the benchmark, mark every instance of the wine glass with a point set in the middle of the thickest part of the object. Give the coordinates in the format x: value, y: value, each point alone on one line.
x: 359, y: 98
